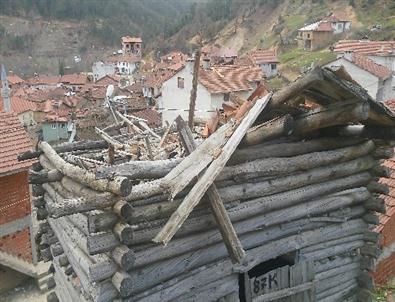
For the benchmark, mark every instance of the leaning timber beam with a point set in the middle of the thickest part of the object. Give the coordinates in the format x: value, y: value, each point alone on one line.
x: 222, y: 219
x: 44, y: 176
x: 119, y: 186
x: 209, y: 175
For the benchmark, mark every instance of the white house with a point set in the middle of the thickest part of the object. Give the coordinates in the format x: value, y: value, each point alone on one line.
x: 339, y: 21
x: 267, y: 60
x: 377, y: 79
x: 214, y: 87
x: 100, y: 69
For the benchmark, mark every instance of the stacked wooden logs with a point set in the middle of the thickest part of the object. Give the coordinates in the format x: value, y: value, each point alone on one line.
x: 307, y: 194
x: 316, y: 196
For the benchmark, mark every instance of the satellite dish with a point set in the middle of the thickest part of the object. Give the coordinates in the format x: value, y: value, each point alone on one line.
x: 110, y: 91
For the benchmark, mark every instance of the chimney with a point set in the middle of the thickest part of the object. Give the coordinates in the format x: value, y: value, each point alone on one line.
x: 5, y: 90
x: 206, y: 63
x: 190, y: 64
x: 348, y: 55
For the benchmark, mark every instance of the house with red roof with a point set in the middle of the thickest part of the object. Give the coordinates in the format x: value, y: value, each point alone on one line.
x: 339, y: 21
x: 377, y: 79
x: 131, y: 45
x: 381, y: 52
x: 315, y: 36
x: 16, y: 238
x: 266, y: 59
x: 215, y: 84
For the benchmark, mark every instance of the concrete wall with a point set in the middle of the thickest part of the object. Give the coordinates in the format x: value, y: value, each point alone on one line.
x: 15, y: 205
x: 27, y: 118
x: 267, y: 69
x: 318, y: 39
x: 362, y: 77
x: 126, y: 68
x: 100, y: 69
x: 178, y: 98
x: 387, y: 61
x: 54, y: 131
x: 340, y: 27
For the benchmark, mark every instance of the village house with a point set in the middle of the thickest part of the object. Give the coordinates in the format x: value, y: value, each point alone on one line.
x: 24, y: 109
x: 124, y: 62
x: 14, y: 81
x: 131, y: 45
x: 214, y: 87
x: 381, y: 52
x: 17, y: 249
x: 315, y: 36
x: 267, y: 60
x: 74, y: 82
x: 218, y: 55
x: 377, y: 79
x: 339, y: 21
x: 43, y: 82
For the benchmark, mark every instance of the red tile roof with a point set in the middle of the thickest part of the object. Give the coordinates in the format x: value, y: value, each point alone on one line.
x: 339, y: 16
x: 152, y: 116
x: 370, y: 66
x: 74, y: 79
x: 108, y: 80
x: 129, y: 39
x: 14, y: 79
x: 43, y: 80
x: 20, y: 105
x: 262, y: 56
x: 223, y: 79
x: 390, y: 104
x: 366, y: 47
x: 317, y: 26
x: 13, y: 140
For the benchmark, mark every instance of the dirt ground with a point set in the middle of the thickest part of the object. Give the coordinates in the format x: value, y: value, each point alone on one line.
x: 16, y: 287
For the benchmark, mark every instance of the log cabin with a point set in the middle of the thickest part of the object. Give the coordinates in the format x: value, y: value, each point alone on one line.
x: 278, y: 204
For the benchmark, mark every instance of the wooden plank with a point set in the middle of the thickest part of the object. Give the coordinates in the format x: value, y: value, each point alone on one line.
x: 197, y: 192
x: 222, y: 219
x: 295, y: 290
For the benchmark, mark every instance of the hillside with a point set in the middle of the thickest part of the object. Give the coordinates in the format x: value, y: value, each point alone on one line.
x: 35, y: 37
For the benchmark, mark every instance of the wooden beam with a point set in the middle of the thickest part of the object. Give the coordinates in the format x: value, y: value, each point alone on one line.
x: 208, y: 177
x: 225, y: 226
x: 120, y: 185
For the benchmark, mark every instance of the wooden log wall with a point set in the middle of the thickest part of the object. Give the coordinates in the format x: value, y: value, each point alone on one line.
x: 317, y: 198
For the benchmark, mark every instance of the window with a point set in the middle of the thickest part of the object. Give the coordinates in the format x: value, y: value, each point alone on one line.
x: 273, y: 66
x: 226, y: 97
x: 308, y: 36
x: 53, y: 126
x: 63, y: 126
x: 180, y: 82
x: 339, y: 26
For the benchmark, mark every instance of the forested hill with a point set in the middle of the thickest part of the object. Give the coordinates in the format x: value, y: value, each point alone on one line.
x: 108, y: 19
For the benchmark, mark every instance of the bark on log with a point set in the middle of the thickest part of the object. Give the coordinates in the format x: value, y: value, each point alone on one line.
x: 88, y: 145
x: 332, y: 115
x: 289, y: 149
x: 123, y: 283
x: 255, y: 190
x: 99, y: 222
x: 281, y: 126
x: 149, y: 276
x: 124, y: 257
x: 44, y: 176
x: 278, y: 166
x: 120, y: 185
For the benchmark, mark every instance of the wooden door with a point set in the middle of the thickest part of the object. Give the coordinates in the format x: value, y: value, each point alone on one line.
x: 284, y: 284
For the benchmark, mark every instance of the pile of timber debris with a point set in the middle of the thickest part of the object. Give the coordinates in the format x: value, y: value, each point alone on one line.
x: 274, y: 181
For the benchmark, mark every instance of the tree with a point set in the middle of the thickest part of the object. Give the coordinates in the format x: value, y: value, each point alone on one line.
x: 61, y: 67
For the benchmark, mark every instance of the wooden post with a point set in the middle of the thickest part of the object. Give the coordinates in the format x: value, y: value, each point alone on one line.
x: 111, y: 154
x: 225, y: 226
x: 192, y: 103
